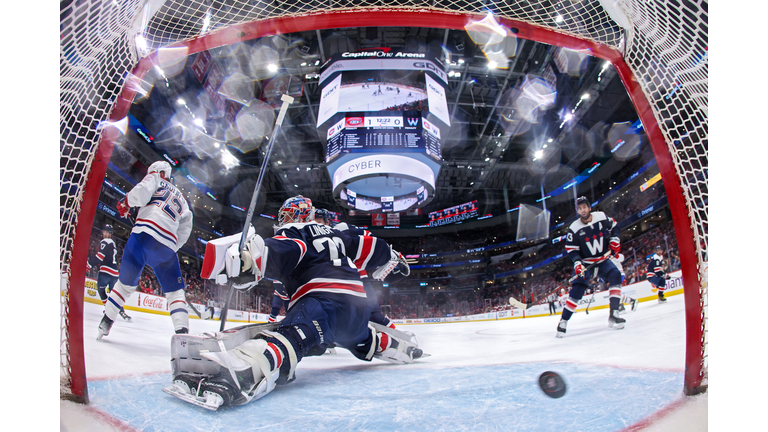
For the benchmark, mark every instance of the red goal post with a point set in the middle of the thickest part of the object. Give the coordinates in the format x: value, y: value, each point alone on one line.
x: 659, y: 54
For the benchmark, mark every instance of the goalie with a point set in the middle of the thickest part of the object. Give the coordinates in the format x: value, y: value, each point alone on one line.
x: 327, y: 305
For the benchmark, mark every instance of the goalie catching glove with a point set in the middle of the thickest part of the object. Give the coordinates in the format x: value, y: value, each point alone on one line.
x: 396, y: 264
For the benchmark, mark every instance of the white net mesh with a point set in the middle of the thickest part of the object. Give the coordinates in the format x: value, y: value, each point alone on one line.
x: 665, y: 49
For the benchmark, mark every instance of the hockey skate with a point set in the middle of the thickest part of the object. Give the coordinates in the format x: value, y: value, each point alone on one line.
x: 209, y: 393
x: 125, y: 316
x: 622, y: 310
x: 661, y: 297
x: 634, y: 305
x: 561, y: 328
x: 104, y: 326
x: 614, y: 321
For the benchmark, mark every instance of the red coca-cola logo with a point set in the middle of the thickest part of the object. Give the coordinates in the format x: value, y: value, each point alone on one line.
x: 153, y: 302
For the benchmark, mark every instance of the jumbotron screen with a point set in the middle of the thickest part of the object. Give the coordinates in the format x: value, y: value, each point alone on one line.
x: 383, y: 102
x: 453, y: 214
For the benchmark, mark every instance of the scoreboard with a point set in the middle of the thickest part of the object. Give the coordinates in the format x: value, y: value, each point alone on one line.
x: 399, y: 132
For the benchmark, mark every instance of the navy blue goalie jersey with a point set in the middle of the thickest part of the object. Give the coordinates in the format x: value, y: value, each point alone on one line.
x: 590, y: 242
x: 315, y: 260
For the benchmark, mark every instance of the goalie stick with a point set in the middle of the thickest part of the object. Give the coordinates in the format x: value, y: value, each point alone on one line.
x: 287, y: 100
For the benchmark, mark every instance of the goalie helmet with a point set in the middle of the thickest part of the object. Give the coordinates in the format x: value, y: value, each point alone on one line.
x: 160, y: 167
x: 296, y: 210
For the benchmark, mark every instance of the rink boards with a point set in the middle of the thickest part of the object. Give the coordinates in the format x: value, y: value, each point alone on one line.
x: 642, y: 291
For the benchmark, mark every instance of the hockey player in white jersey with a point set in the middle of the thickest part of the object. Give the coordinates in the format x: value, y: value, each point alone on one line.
x: 162, y: 226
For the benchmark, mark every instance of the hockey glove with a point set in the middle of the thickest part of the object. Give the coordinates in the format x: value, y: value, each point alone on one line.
x: 668, y: 277
x: 396, y: 260
x: 578, y: 268
x: 615, y: 246
x: 123, y: 208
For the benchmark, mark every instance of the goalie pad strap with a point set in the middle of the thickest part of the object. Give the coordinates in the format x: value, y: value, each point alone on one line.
x: 291, y: 352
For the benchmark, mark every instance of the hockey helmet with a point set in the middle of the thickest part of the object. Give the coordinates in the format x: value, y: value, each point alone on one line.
x: 582, y: 200
x: 160, y: 167
x: 107, y: 228
x: 324, y: 215
x: 658, y: 248
x: 296, y: 210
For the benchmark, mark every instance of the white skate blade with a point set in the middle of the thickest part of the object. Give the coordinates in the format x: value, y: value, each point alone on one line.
x: 209, y: 404
x: 616, y: 326
x: 560, y: 335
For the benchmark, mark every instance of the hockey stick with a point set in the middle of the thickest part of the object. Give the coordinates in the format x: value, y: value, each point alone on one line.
x: 197, y: 312
x: 287, y: 100
x: 588, y: 268
x: 515, y: 303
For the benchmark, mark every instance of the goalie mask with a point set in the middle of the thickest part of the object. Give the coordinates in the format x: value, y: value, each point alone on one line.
x: 160, y: 167
x: 296, y: 210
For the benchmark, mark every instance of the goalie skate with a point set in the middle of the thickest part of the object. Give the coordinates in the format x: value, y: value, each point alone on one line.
x: 209, y: 400
x: 403, y: 337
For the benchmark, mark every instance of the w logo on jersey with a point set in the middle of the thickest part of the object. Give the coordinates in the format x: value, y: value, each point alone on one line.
x: 596, y: 247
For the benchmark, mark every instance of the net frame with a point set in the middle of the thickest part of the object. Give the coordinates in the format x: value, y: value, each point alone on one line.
x: 98, y: 58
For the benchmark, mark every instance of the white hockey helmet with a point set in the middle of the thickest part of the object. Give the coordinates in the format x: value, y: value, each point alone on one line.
x: 160, y: 167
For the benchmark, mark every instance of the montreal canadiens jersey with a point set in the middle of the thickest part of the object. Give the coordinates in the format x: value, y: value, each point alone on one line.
x: 164, y: 212
x: 589, y: 242
x: 311, y: 259
x: 106, y: 258
x: 655, y: 266
x: 355, y: 230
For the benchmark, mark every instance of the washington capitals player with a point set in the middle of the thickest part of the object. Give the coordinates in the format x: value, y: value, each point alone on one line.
x: 656, y: 275
x: 280, y: 300
x: 376, y: 315
x: 162, y: 226
x: 106, y: 261
x: 592, y: 239
x: 327, y: 305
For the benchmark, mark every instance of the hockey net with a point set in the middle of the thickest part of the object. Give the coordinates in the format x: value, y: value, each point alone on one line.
x: 662, y: 49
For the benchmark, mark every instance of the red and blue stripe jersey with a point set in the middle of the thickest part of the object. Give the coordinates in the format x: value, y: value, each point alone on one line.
x: 106, y: 258
x: 655, y: 266
x: 355, y: 230
x: 315, y: 260
x: 591, y: 241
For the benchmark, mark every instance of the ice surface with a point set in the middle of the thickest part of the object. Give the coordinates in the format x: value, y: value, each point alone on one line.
x: 481, y: 376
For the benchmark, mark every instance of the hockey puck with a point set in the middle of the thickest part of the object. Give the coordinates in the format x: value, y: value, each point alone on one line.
x: 552, y: 384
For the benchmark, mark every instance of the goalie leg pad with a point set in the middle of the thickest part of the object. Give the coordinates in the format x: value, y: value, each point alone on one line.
x: 247, y: 372
x: 177, y: 305
x: 117, y: 298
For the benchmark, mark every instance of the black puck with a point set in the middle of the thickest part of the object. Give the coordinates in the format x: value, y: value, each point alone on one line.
x: 552, y: 384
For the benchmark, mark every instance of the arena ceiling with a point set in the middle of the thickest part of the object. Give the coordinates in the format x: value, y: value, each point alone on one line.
x: 486, y: 156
